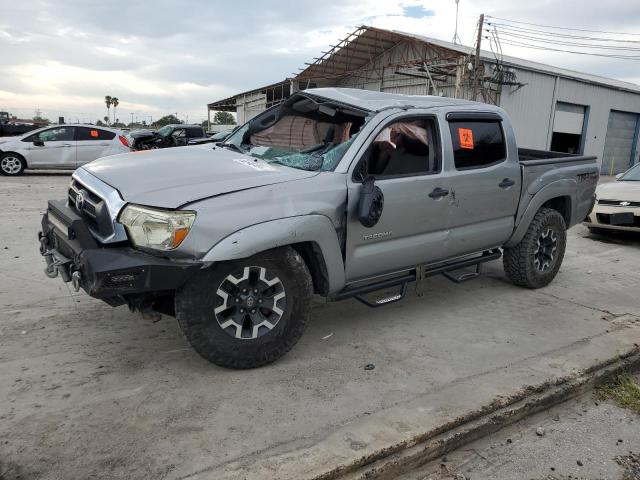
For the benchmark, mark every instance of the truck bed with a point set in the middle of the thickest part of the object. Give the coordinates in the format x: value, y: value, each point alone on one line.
x: 531, y: 157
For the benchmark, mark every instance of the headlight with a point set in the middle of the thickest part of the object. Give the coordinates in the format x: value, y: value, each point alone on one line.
x: 155, y: 228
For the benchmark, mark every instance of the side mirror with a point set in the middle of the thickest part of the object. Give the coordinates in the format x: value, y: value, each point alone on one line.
x: 38, y: 143
x: 371, y: 203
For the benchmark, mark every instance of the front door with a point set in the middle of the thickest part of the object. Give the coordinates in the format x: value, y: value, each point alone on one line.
x: 53, y: 148
x: 405, y: 160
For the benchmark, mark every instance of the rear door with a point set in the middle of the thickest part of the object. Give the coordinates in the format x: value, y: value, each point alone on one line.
x: 54, y: 148
x: 485, y: 182
x: 92, y: 143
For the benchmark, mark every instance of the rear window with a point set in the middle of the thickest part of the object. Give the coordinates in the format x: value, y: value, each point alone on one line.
x: 477, y: 144
x: 85, y: 133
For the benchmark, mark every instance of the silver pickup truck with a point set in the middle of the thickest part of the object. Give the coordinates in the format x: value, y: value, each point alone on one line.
x: 336, y: 192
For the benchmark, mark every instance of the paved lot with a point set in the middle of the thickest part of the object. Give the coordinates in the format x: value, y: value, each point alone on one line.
x: 94, y: 392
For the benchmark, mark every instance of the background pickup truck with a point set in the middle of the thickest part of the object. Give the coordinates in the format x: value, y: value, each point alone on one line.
x: 175, y: 135
x: 335, y: 192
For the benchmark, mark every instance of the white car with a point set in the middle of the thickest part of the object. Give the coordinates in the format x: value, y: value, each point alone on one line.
x: 617, y: 205
x: 59, y: 147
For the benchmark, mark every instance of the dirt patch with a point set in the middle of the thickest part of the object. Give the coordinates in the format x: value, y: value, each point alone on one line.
x: 631, y: 465
x: 624, y: 390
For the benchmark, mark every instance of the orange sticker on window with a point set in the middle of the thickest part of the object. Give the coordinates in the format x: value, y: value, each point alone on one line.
x: 466, y: 138
x: 94, y: 133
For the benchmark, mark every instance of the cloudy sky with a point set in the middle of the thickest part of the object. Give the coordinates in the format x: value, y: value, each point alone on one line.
x: 160, y: 57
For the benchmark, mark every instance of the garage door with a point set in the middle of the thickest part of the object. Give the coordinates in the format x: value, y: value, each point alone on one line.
x: 619, y: 143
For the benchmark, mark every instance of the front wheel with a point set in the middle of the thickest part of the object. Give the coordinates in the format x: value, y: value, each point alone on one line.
x: 249, y: 312
x: 12, y: 164
x: 535, y: 261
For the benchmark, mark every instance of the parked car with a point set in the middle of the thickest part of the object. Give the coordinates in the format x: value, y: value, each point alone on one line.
x: 337, y: 192
x: 10, y: 128
x: 168, y: 136
x: 617, y: 204
x: 59, y: 147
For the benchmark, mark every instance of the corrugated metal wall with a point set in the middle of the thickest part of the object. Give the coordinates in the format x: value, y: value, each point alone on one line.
x: 532, y: 107
x: 250, y: 105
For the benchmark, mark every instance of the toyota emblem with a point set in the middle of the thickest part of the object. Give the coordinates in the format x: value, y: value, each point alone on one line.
x: 625, y: 204
x: 80, y: 200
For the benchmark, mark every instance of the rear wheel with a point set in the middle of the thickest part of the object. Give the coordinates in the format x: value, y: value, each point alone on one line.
x: 246, y: 313
x: 535, y: 261
x: 12, y: 164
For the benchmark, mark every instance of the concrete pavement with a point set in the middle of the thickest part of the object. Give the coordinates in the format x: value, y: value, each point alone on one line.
x: 91, y: 391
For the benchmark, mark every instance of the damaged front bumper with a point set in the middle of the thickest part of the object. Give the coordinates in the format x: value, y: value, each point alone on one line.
x: 113, y: 274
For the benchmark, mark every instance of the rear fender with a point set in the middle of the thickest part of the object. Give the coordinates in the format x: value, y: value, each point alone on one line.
x: 285, y: 231
x: 559, y: 188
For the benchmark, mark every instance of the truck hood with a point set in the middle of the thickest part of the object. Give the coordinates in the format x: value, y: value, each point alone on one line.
x: 623, y: 191
x: 173, y: 177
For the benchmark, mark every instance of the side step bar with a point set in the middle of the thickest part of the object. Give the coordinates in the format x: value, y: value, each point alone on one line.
x: 419, y: 273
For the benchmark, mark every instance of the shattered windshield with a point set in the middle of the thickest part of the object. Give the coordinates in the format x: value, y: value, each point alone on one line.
x: 303, y: 133
x: 165, y: 131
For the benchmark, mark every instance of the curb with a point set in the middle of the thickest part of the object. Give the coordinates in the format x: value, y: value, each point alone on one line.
x: 402, y: 458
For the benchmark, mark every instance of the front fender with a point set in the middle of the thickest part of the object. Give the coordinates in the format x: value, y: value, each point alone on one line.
x: 559, y: 188
x: 285, y: 231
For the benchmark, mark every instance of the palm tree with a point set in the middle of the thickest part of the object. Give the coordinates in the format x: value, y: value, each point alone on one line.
x: 115, y: 102
x: 106, y: 120
x: 108, y: 101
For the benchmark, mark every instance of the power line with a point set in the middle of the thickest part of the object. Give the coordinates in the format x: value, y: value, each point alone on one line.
x: 540, y: 47
x: 515, y: 28
x: 567, y: 43
x: 561, y: 28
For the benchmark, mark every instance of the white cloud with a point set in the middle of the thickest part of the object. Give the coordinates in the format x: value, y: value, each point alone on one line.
x: 157, y: 58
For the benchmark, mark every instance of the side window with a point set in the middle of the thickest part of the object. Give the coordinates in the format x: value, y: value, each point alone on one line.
x: 195, y: 133
x: 477, y: 144
x: 85, y: 133
x: 57, y: 134
x: 178, y: 133
x: 404, y: 147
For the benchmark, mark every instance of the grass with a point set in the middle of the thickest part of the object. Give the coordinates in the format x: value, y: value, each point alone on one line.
x: 623, y: 390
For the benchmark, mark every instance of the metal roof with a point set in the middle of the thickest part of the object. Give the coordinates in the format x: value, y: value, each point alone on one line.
x: 229, y: 104
x: 375, y: 101
x: 359, y: 49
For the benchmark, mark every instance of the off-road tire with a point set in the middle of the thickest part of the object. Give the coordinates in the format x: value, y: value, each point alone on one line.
x: 196, y: 301
x: 16, y: 160
x: 519, y: 261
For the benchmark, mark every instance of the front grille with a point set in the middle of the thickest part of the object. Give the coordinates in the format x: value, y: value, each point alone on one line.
x: 618, y: 203
x: 605, y: 219
x: 91, y: 207
x: 120, y: 280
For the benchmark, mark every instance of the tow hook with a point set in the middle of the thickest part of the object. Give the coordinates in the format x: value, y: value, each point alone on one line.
x: 51, y: 270
x: 76, y: 277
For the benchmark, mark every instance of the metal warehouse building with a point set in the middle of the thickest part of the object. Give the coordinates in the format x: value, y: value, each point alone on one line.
x: 551, y: 108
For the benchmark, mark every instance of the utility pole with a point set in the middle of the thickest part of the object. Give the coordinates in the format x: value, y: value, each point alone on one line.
x: 476, y: 64
x: 456, y: 38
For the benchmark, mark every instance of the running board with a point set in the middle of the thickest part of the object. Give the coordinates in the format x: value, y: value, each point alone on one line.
x: 419, y: 273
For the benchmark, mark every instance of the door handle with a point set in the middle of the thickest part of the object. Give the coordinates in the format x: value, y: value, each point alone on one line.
x: 438, y: 193
x: 506, y: 183
x: 67, y: 145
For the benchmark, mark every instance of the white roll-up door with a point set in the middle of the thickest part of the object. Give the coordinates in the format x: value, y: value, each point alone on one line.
x: 569, y: 118
x: 619, y: 143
